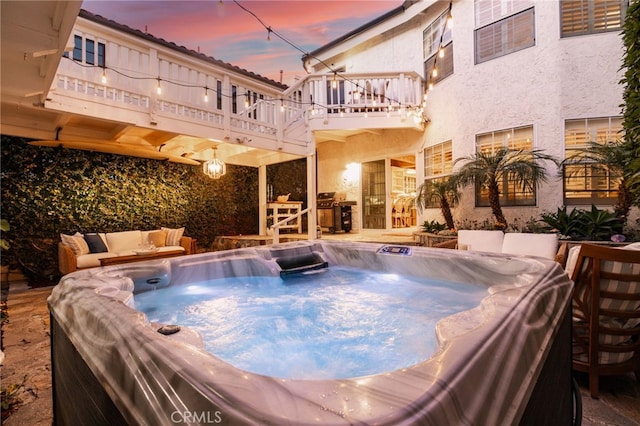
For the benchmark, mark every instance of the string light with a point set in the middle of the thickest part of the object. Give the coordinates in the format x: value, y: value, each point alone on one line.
x: 270, y: 31
x: 104, y: 76
x: 441, y: 52
x: 356, y: 94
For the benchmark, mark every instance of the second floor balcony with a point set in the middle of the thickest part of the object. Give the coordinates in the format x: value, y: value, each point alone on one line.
x: 116, y: 89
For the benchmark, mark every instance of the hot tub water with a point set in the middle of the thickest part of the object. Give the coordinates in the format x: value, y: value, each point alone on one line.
x: 339, y: 323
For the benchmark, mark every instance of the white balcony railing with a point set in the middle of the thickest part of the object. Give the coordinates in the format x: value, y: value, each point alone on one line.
x: 276, y: 116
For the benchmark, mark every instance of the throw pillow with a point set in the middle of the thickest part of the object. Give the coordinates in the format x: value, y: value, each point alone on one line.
x: 158, y: 237
x: 173, y: 236
x: 76, y: 242
x: 95, y: 243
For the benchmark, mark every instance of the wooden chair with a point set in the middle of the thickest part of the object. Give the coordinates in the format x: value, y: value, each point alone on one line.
x: 606, y: 313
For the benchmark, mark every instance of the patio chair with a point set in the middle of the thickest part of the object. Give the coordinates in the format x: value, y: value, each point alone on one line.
x: 408, y: 210
x: 606, y: 313
x: 396, y: 212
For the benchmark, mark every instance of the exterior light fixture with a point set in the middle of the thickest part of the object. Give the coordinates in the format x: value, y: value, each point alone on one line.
x: 214, y: 168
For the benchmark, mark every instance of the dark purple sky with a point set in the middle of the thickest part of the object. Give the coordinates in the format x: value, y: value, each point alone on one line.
x: 227, y: 32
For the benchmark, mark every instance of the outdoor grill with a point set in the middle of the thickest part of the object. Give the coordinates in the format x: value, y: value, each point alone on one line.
x: 334, y: 213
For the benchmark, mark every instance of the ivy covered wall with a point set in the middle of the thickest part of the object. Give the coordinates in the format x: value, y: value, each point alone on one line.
x: 48, y: 191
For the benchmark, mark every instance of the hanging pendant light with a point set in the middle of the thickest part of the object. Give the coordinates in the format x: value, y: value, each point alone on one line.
x: 214, y: 168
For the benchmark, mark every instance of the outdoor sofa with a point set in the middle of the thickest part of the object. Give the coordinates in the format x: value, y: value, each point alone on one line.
x: 80, y: 251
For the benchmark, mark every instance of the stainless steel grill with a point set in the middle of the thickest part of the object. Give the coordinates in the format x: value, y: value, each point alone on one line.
x: 334, y: 213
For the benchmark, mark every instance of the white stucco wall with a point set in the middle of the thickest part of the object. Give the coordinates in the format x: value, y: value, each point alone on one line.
x: 544, y: 85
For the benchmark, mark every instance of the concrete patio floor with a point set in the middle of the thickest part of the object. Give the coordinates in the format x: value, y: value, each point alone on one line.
x: 28, y: 359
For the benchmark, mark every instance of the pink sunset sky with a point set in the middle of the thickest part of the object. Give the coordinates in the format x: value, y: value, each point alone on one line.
x: 226, y: 32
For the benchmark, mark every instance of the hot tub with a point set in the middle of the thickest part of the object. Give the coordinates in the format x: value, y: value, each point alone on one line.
x: 505, y: 361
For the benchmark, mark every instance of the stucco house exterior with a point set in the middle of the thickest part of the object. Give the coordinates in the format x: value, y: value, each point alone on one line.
x: 520, y: 74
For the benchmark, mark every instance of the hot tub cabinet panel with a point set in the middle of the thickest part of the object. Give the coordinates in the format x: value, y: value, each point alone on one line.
x: 507, y: 361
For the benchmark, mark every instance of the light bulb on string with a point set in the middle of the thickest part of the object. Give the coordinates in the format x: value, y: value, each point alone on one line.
x: 159, y: 87
x: 434, y: 73
x: 104, y: 76
x: 334, y: 83
x: 269, y: 34
x: 281, y: 105
x: 206, y: 94
x: 441, y: 52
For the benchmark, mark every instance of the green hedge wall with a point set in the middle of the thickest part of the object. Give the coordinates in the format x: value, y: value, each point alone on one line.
x: 48, y: 191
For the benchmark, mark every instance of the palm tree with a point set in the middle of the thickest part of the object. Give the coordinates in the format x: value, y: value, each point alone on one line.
x: 491, y: 169
x: 444, y: 192
x: 610, y: 157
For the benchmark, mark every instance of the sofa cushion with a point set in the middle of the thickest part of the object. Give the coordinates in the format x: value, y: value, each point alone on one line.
x: 124, y: 241
x: 173, y: 236
x: 541, y: 245
x: 76, y: 242
x: 96, y: 243
x: 158, y: 237
x: 170, y: 248
x: 480, y: 240
x: 92, y: 260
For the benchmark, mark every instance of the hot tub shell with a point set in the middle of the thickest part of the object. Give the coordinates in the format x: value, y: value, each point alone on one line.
x: 506, y: 361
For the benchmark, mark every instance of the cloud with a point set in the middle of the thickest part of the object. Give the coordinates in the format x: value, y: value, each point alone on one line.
x: 232, y: 34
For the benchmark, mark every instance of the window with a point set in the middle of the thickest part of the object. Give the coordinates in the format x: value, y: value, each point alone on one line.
x: 438, y: 163
x: 90, y: 53
x: 77, y: 48
x: 589, y: 183
x: 578, y: 17
x: 101, y: 55
x: 438, y: 160
x: 438, y: 49
x: 218, y: 94
x: 505, y: 36
x: 511, y: 193
x: 234, y: 99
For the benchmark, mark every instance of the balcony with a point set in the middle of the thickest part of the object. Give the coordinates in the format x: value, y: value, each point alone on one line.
x: 157, y: 100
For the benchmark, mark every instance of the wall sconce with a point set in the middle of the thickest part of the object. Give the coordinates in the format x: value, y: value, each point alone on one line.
x: 352, y: 173
x: 214, y: 168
